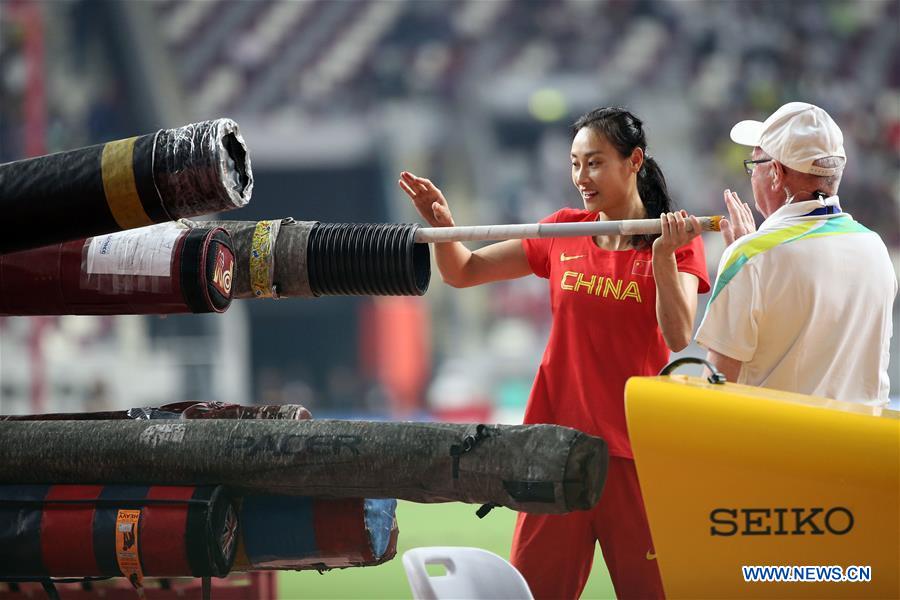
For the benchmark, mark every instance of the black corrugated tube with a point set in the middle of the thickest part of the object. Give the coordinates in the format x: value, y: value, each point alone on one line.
x: 367, y: 259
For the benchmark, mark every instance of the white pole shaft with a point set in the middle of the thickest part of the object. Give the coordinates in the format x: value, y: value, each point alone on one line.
x: 480, y: 233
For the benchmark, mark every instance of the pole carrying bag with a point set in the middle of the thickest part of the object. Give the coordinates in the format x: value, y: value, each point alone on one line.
x: 531, y: 468
x: 160, y: 269
x: 295, y: 532
x: 163, y: 176
x: 116, y: 530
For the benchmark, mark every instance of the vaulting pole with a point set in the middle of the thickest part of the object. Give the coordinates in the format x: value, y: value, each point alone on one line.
x: 481, y: 233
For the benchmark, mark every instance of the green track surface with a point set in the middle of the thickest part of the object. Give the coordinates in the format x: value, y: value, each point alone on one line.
x: 451, y: 524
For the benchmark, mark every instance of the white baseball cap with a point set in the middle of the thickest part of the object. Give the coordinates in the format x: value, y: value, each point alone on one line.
x: 796, y: 135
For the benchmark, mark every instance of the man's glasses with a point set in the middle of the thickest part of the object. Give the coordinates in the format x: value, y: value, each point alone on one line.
x: 749, y: 165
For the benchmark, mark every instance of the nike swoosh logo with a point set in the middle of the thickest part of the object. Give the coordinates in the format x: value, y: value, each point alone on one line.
x: 564, y: 258
x: 651, y: 556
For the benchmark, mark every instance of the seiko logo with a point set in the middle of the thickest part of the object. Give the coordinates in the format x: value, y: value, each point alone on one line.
x: 780, y: 521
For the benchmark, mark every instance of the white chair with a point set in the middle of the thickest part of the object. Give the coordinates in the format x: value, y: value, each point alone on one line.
x: 471, y: 573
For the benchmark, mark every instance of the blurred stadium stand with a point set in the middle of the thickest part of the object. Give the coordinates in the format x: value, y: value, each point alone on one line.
x: 335, y: 98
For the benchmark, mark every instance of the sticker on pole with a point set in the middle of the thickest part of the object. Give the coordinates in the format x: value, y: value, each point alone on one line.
x: 222, y: 273
x: 144, y: 251
x: 127, y: 556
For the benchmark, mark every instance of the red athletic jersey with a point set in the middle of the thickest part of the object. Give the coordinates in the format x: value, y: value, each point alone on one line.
x: 604, y: 329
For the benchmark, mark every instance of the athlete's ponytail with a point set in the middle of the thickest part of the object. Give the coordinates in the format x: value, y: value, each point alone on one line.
x: 626, y: 132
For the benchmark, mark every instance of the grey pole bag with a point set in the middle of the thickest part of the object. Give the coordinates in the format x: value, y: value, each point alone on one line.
x: 531, y: 468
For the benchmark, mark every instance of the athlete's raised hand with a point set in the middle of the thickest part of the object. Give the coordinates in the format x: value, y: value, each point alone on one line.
x: 739, y: 221
x: 427, y: 198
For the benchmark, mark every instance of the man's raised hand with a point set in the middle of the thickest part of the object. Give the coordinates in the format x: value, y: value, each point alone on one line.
x: 739, y: 221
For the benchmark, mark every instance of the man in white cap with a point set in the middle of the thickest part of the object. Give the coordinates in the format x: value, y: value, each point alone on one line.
x: 803, y: 304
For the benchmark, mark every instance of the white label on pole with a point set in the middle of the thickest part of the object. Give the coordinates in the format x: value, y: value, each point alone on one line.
x: 144, y: 251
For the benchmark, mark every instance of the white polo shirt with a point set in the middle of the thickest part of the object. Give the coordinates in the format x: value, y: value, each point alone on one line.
x: 805, y: 304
